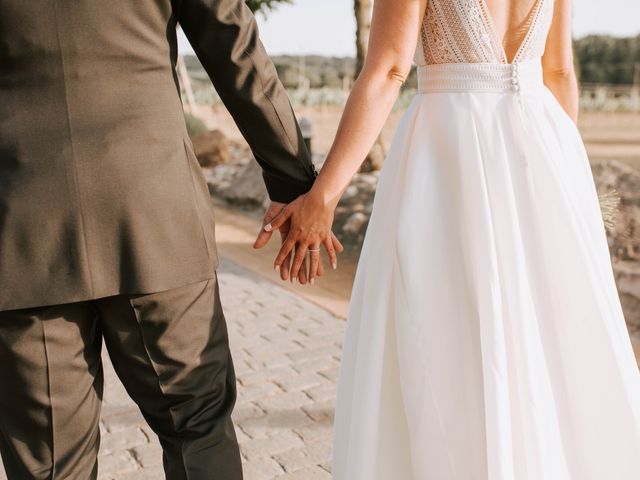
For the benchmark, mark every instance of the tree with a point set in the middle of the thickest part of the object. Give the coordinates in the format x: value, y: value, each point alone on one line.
x: 362, y: 11
x: 606, y: 59
x: 264, y: 5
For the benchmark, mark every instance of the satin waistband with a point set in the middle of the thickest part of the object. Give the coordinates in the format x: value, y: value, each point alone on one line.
x: 480, y: 77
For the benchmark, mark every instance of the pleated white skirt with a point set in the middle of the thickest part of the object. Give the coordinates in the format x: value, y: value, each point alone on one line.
x: 485, y: 338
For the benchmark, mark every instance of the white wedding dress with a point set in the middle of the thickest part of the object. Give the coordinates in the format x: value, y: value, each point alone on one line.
x: 485, y: 338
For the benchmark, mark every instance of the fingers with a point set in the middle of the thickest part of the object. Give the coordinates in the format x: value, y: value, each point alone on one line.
x: 320, y: 267
x: 262, y: 239
x: 285, y: 267
x: 279, y: 221
x: 298, y: 259
x: 292, y: 257
x: 272, y: 212
x: 331, y: 252
x: 336, y: 243
x: 285, y: 250
x: 314, y: 262
x: 302, y: 276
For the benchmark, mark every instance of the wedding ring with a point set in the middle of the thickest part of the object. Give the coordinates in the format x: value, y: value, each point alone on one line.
x: 314, y: 250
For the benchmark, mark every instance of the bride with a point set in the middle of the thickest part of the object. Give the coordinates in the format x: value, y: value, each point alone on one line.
x: 485, y: 337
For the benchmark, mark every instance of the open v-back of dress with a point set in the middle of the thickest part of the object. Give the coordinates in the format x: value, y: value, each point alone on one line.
x: 485, y: 338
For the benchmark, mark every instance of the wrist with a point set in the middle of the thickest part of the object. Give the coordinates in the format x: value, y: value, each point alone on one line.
x: 322, y: 197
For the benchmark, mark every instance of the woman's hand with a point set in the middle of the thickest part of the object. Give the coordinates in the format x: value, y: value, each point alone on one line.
x: 309, y: 220
x: 395, y: 26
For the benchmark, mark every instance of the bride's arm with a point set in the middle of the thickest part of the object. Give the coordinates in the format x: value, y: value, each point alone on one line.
x: 394, y: 33
x: 557, y: 61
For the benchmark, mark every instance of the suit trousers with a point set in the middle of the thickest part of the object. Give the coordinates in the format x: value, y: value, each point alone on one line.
x: 171, y: 352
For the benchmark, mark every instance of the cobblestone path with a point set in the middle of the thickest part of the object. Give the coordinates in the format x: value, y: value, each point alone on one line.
x: 286, y: 353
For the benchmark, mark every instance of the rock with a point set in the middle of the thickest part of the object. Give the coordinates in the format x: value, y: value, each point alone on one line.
x: 369, y: 178
x: 628, y: 281
x: 375, y: 158
x: 356, y: 223
x: 221, y: 177
x: 247, y: 189
x: 350, y: 192
x: 631, y: 308
x: 212, y: 148
x: 358, y: 207
x: 624, y: 238
x: 353, y: 211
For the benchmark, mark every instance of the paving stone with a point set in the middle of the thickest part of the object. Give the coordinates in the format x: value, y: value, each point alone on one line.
x: 299, y: 382
x: 251, y: 343
x: 111, y: 409
x: 311, y: 473
x: 331, y: 374
x: 150, y: 434
x: 264, y: 375
x: 258, y: 391
x: 282, y: 335
x: 151, y: 473
x: 118, y: 422
x: 270, y: 350
x: 123, y: 440
x: 320, y: 411
x: 268, y: 447
x: 262, y: 469
x: 314, y: 365
x: 245, y: 410
x: 275, y: 422
x: 316, y: 430
x: 323, y: 392
x: 148, y: 455
x: 285, y: 401
x: 326, y: 353
x: 313, y: 453
x: 241, y: 436
x: 116, y: 464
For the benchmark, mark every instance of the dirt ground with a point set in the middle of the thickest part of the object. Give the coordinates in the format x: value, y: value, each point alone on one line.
x: 607, y: 135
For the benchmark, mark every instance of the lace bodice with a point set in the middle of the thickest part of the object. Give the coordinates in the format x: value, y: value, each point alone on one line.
x: 462, y: 31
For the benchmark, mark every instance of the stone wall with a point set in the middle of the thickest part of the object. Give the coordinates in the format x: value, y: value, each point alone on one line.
x: 624, y: 238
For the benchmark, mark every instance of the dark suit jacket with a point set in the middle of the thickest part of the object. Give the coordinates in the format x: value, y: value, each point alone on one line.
x: 100, y: 191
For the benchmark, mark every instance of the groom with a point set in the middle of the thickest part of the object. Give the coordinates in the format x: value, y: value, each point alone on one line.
x: 106, y: 229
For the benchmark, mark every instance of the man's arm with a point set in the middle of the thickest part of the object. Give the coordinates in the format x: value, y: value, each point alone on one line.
x: 224, y: 36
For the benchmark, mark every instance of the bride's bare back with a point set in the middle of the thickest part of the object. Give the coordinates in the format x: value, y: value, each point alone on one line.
x: 466, y: 31
x: 511, y: 20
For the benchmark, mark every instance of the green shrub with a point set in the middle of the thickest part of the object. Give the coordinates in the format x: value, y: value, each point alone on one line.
x: 195, y: 126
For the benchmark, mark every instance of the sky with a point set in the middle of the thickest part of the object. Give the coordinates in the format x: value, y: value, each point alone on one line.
x: 327, y: 27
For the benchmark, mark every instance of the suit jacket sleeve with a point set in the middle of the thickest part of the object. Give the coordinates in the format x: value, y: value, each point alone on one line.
x: 224, y: 36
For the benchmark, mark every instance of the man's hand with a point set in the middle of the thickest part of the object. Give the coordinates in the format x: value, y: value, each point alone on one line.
x: 274, y: 209
x: 272, y: 212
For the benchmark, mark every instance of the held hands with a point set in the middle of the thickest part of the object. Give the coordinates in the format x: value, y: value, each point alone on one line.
x: 304, y: 225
